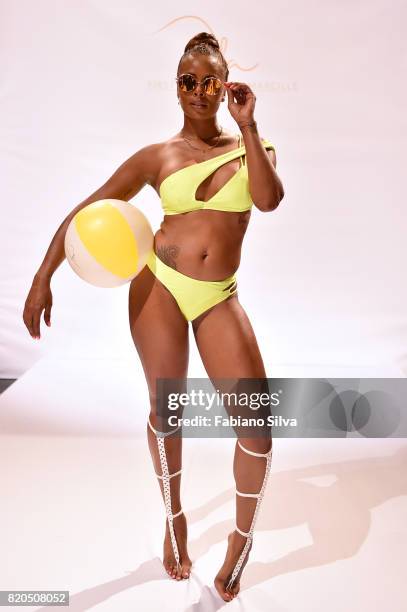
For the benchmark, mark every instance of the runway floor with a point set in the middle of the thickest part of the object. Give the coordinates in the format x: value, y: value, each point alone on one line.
x: 81, y: 508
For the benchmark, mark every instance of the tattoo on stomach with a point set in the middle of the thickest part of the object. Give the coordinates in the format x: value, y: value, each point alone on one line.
x: 168, y: 254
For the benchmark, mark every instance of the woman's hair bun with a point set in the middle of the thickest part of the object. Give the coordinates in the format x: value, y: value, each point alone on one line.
x: 202, y: 37
x: 205, y: 44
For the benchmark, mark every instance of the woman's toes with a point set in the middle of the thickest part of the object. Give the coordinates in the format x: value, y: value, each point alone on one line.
x: 225, y: 595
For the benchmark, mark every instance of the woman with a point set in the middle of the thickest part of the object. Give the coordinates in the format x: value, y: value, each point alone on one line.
x: 207, y: 194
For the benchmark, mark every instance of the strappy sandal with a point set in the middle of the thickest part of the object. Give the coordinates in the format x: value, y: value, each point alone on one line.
x: 259, y: 496
x: 165, y: 477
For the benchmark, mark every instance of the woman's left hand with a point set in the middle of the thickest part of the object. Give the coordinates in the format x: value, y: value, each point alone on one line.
x: 243, y: 108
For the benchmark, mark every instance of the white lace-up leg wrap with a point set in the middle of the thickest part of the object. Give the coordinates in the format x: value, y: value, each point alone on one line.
x: 259, y: 496
x: 165, y: 477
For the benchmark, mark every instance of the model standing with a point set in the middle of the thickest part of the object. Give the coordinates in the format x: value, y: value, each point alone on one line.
x: 208, y: 180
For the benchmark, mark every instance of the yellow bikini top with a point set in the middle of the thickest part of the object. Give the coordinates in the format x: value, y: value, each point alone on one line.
x: 177, y: 191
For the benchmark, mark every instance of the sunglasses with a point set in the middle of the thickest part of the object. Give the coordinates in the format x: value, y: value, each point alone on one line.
x: 211, y: 85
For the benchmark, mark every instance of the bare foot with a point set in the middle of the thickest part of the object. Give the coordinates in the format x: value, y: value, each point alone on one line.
x: 236, y: 544
x: 169, y: 560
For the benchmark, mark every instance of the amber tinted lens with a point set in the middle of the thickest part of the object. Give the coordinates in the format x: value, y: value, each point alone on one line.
x: 212, y: 85
x: 187, y: 82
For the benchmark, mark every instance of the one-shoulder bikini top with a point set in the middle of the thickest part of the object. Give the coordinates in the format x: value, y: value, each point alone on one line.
x: 178, y: 190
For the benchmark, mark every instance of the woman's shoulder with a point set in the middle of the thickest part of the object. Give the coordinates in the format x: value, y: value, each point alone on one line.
x: 149, y: 157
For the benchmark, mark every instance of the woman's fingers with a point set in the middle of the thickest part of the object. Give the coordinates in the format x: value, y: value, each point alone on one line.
x: 36, y: 321
x: 32, y: 326
x: 238, y: 85
x: 240, y: 91
x: 28, y: 319
x: 39, y: 298
x: 47, y: 314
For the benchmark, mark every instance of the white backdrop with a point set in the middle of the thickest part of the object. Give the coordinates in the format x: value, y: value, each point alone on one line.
x: 84, y: 84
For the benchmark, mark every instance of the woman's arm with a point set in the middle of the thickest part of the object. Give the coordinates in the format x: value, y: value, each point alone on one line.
x: 265, y: 186
x: 126, y: 181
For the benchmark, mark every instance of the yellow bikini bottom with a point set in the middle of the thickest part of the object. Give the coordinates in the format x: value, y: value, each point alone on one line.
x: 193, y: 296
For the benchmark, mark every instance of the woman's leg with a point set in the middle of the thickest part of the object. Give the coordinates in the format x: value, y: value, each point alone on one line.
x: 160, y: 335
x: 229, y: 349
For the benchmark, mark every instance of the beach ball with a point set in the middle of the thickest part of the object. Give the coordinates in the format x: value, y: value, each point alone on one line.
x: 108, y: 242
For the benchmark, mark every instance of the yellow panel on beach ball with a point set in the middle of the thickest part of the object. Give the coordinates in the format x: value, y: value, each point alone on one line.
x: 108, y: 237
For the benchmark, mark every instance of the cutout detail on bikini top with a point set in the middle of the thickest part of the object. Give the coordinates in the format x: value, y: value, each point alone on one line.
x: 178, y: 189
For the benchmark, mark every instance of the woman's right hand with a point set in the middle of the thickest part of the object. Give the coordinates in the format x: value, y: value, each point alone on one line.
x: 38, y: 299
x: 126, y: 181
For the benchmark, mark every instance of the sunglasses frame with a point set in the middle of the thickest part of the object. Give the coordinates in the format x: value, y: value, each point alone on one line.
x: 198, y: 82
